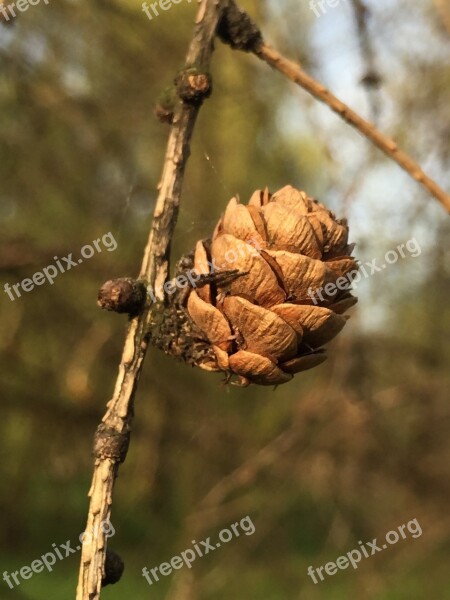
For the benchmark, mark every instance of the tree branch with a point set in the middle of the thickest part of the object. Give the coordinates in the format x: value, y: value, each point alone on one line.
x: 112, y: 436
x: 241, y: 33
x: 296, y: 74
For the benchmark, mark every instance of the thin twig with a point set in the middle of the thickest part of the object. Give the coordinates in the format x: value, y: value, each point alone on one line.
x: 371, y: 78
x: 111, y: 441
x: 296, y: 74
x: 208, y: 511
x: 244, y: 474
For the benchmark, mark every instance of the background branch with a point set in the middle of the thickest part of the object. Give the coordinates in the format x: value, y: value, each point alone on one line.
x: 296, y: 74
x: 371, y: 78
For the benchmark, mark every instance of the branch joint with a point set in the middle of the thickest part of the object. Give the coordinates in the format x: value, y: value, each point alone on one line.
x: 193, y: 85
x: 112, y: 444
x: 238, y: 30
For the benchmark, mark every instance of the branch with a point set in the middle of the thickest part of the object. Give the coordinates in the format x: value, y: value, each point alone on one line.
x: 296, y: 74
x: 112, y: 436
x: 242, y: 476
x: 371, y: 78
x: 241, y: 33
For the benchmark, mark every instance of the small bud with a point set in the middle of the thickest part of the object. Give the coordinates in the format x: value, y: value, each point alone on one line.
x: 237, y: 29
x: 193, y: 85
x: 114, y: 567
x: 124, y: 295
x: 166, y: 104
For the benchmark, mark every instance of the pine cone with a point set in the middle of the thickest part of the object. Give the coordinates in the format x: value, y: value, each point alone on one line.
x: 280, y: 271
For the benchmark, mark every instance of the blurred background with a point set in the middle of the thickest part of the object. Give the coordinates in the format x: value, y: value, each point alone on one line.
x: 343, y: 453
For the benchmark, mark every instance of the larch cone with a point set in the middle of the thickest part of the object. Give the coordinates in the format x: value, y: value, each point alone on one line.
x: 289, y: 268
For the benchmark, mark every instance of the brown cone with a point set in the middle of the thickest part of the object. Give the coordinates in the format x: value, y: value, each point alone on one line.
x: 295, y: 269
